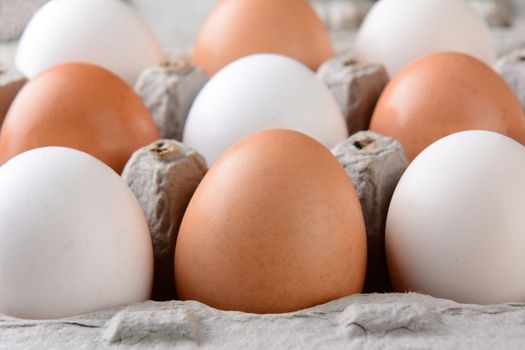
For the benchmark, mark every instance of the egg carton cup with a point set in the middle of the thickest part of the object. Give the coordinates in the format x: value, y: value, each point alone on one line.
x: 511, y: 67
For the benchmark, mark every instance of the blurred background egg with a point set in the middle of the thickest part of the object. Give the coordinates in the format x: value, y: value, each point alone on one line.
x: 455, y: 224
x: 444, y: 93
x: 80, y: 106
x: 262, y: 92
x: 396, y: 32
x: 73, y: 238
x: 238, y: 28
x: 275, y: 226
x: 107, y: 33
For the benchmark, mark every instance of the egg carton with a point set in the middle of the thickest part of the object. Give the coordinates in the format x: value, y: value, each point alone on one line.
x: 388, y: 320
x: 375, y: 164
x: 374, y: 321
x: 14, y: 15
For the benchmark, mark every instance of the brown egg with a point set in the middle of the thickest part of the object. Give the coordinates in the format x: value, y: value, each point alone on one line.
x: 80, y: 106
x: 442, y: 94
x: 275, y: 226
x: 238, y: 28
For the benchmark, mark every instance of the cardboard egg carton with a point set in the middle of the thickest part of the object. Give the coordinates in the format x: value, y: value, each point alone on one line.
x: 14, y: 15
x: 374, y: 321
x: 369, y: 320
x: 404, y: 321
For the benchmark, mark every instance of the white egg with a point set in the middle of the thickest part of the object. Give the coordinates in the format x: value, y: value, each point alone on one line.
x: 107, y: 33
x: 455, y: 227
x: 261, y: 92
x: 396, y: 32
x: 73, y: 238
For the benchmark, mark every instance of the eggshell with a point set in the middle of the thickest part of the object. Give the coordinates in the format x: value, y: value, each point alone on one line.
x: 274, y: 226
x: 455, y: 224
x: 102, y: 32
x: 238, y: 28
x: 73, y: 238
x: 262, y: 92
x: 442, y: 94
x: 80, y: 106
x: 397, y: 32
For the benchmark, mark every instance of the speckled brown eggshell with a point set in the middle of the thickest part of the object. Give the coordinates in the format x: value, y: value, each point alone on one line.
x: 445, y: 93
x: 275, y: 226
x: 80, y: 106
x: 238, y: 28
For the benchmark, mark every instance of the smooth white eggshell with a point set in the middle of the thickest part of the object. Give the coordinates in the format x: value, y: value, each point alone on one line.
x: 73, y: 238
x: 107, y: 33
x: 456, y: 223
x: 259, y: 92
x: 397, y: 32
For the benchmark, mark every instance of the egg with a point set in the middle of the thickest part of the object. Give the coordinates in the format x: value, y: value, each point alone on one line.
x: 238, y: 28
x: 274, y: 226
x: 444, y: 93
x: 260, y: 92
x: 107, y: 33
x: 455, y: 224
x: 73, y: 238
x: 397, y: 32
x: 80, y: 106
